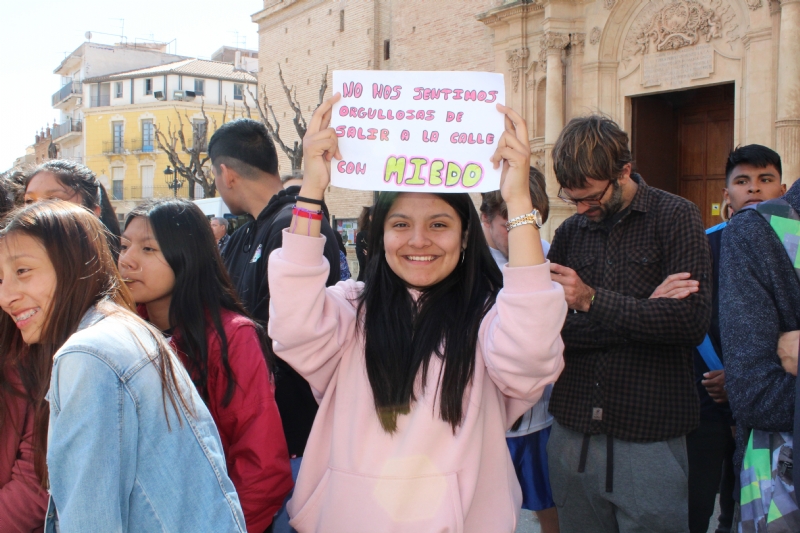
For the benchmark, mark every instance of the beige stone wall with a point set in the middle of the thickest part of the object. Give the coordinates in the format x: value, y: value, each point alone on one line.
x: 305, y: 37
x: 445, y: 35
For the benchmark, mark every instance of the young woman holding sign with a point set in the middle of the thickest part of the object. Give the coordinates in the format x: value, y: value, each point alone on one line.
x: 421, y: 368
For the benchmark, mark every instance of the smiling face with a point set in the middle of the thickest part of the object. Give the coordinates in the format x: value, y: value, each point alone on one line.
x: 46, y: 186
x: 749, y: 185
x: 143, y: 266
x: 27, y: 284
x: 422, y: 238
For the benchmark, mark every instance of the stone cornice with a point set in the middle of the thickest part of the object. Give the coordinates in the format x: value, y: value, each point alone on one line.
x: 757, y: 35
x: 282, y: 10
x: 508, y: 11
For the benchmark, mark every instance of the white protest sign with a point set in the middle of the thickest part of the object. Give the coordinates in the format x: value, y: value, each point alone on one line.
x: 417, y: 131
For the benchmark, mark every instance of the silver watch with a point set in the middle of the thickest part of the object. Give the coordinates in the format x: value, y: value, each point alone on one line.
x: 534, y: 217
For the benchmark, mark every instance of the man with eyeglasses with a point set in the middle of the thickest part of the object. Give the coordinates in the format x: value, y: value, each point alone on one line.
x: 626, y: 398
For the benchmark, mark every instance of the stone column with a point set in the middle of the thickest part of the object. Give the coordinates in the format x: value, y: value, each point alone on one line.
x: 787, y: 125
x: 552, y: 45
x: 577, y: 43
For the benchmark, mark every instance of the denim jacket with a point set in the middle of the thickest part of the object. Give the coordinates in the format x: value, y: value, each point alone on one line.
x: 115, y: 463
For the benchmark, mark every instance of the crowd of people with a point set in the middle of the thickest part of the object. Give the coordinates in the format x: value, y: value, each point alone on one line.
x: 168, y: 375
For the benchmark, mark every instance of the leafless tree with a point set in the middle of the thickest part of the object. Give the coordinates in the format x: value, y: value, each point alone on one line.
x: 295, y: 153
x: 173, y: 143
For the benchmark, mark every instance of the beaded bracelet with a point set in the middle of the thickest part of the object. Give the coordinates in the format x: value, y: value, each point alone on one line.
x: 301, y: 212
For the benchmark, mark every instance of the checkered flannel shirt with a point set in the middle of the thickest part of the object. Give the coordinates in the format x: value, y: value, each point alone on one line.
x: 628, y: 359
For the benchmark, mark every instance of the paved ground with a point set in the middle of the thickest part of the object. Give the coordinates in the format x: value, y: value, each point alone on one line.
x: 528, y: 524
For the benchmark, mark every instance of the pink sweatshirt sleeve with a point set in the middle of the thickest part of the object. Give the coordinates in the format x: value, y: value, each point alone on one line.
x: 520, y: 336
x: 309, y: 323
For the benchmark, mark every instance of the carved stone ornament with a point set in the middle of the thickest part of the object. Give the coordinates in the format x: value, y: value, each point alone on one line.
x: 609, y: 4
x: 754, y: 4
x: 594, y: 36
x: 516, y: 61
x: 538, y: 159
x: 551, y: 41
x: 669, y: 25
x: 577, y: 41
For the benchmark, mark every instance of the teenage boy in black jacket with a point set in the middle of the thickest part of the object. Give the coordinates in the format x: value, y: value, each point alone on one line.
x: 245, y: 166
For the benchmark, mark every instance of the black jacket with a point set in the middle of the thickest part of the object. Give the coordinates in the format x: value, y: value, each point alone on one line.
x: 246, y: 256
x: 709, y: 409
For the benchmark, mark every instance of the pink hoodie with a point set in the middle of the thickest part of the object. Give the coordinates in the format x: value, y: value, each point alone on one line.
x: 357, y: 478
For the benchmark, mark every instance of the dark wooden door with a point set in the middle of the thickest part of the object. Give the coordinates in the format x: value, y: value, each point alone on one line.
x: 705, y: 138
x: 681, y: 140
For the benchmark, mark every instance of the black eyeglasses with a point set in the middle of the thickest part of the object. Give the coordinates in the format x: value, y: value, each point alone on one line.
x: 589, y: 200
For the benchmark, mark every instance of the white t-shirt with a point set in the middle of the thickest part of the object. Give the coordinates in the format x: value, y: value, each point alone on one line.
x: 537, y: 417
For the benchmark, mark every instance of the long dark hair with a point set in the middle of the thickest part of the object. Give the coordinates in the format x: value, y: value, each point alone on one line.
x: 93, y: 195
x: 86, y: 276
x: 401, y: 335
x: 364, y: 218
x: 202, y: 285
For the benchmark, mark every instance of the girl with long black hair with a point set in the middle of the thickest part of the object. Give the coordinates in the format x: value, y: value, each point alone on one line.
x: 171, y: 263
x: 421, y: 368
x: 120, y: 438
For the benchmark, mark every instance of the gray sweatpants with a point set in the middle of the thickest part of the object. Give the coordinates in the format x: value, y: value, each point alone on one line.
x: 650, y: 484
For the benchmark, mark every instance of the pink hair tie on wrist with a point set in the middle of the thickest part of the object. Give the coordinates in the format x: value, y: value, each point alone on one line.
x: 301, y: 212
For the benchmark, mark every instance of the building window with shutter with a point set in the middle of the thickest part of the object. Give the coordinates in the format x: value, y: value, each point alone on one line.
x: 200, y: 87
x: 238, y: 91
x: 118, y: 89
x: 119, y: 140
x: 117, y: 177
x: 148, y: 173
x: 148, y: 86
x: 148, y: 135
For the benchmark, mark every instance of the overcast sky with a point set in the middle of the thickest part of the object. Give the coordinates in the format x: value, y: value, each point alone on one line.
x: 37, y: 35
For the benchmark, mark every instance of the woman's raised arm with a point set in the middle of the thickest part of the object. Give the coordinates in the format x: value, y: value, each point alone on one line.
x: 320, y: 145
x: 514, y: 154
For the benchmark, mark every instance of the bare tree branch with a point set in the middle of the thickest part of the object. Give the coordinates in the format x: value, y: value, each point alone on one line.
x: 267, y: 115
x: 244, y: 103
x: 323, y: 87
x: 194, y: 171
x: 291, y: 95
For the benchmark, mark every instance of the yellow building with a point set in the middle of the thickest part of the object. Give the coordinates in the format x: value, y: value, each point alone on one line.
x: 119, y: 125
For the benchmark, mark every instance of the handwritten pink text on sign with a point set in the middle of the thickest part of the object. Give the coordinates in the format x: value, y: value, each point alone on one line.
x: 417, y: 131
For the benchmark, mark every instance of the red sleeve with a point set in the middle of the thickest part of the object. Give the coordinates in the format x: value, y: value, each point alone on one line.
x: 23, y: 502
x: 256, y: 452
